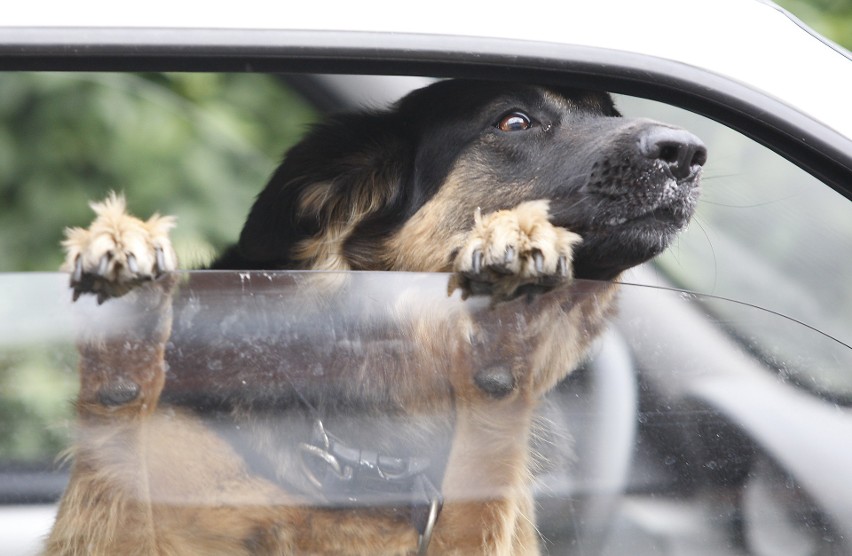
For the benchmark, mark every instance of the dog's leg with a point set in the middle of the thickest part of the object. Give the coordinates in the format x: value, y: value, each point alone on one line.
x: 485, y: 479
x: 535, y: 333
x: 121, y: 347
x: 145, y: 480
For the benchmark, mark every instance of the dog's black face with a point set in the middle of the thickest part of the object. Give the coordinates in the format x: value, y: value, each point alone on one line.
x: 372, y: 182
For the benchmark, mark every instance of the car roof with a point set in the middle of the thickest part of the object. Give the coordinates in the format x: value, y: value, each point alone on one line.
x: 743, y: 62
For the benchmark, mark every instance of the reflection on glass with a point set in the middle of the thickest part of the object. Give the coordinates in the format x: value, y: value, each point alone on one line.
x: 769, y: 234
x: 340, y: 400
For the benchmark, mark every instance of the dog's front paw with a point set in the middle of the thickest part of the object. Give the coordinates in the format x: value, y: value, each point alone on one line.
x: 118, y: 251
x: 514, y: 252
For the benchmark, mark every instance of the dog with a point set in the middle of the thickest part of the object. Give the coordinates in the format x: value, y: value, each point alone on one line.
x: 534, y: 198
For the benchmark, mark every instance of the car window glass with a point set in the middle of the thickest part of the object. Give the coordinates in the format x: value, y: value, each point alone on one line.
x: 769, y: 234
x: 201, y: 145
x: 296, y: 330
x: 766, y: 257
x: 198, y: 145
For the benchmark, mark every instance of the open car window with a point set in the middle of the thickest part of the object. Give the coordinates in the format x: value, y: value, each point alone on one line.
x: 722, y: 389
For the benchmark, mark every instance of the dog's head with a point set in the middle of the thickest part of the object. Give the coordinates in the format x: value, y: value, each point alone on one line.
x: 397, y: 190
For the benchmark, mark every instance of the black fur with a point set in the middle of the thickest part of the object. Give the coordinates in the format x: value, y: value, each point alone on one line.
x: 580, y: 154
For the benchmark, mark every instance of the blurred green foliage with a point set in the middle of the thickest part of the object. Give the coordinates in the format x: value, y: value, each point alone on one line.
x: 37, y: 384
x: 199, y: 146
x: 832, y: 18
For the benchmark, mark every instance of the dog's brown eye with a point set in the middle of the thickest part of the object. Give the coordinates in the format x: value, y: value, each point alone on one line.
x: 514, y: 121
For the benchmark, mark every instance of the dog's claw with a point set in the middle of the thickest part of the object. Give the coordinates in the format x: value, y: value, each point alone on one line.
x: 161, y: 260
x: 510, y: 255
x: 538, y: 260
x: 103, y: 265
x: 476, y: 261
x: 132, y: 266
x: 562, y: 266
x: 77, y: 275
x: 113, y: 257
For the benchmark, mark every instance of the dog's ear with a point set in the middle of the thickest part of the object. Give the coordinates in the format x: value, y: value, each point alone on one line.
x: 352, y: 181
x: 343, y: 172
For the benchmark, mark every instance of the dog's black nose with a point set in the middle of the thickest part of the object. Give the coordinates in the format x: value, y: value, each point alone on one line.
x: 681, y: 151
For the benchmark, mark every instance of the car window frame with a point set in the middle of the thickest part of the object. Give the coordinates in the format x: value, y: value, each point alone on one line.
x: 805, y: 141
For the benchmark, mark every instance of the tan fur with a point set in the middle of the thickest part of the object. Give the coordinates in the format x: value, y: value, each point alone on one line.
x: 425, y: 241
x: 148, y: 480
x: 114, y: 230
x: 488, y: 473
x: 444, y: 224
x: 340, y: 213
x: 526, y: 231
